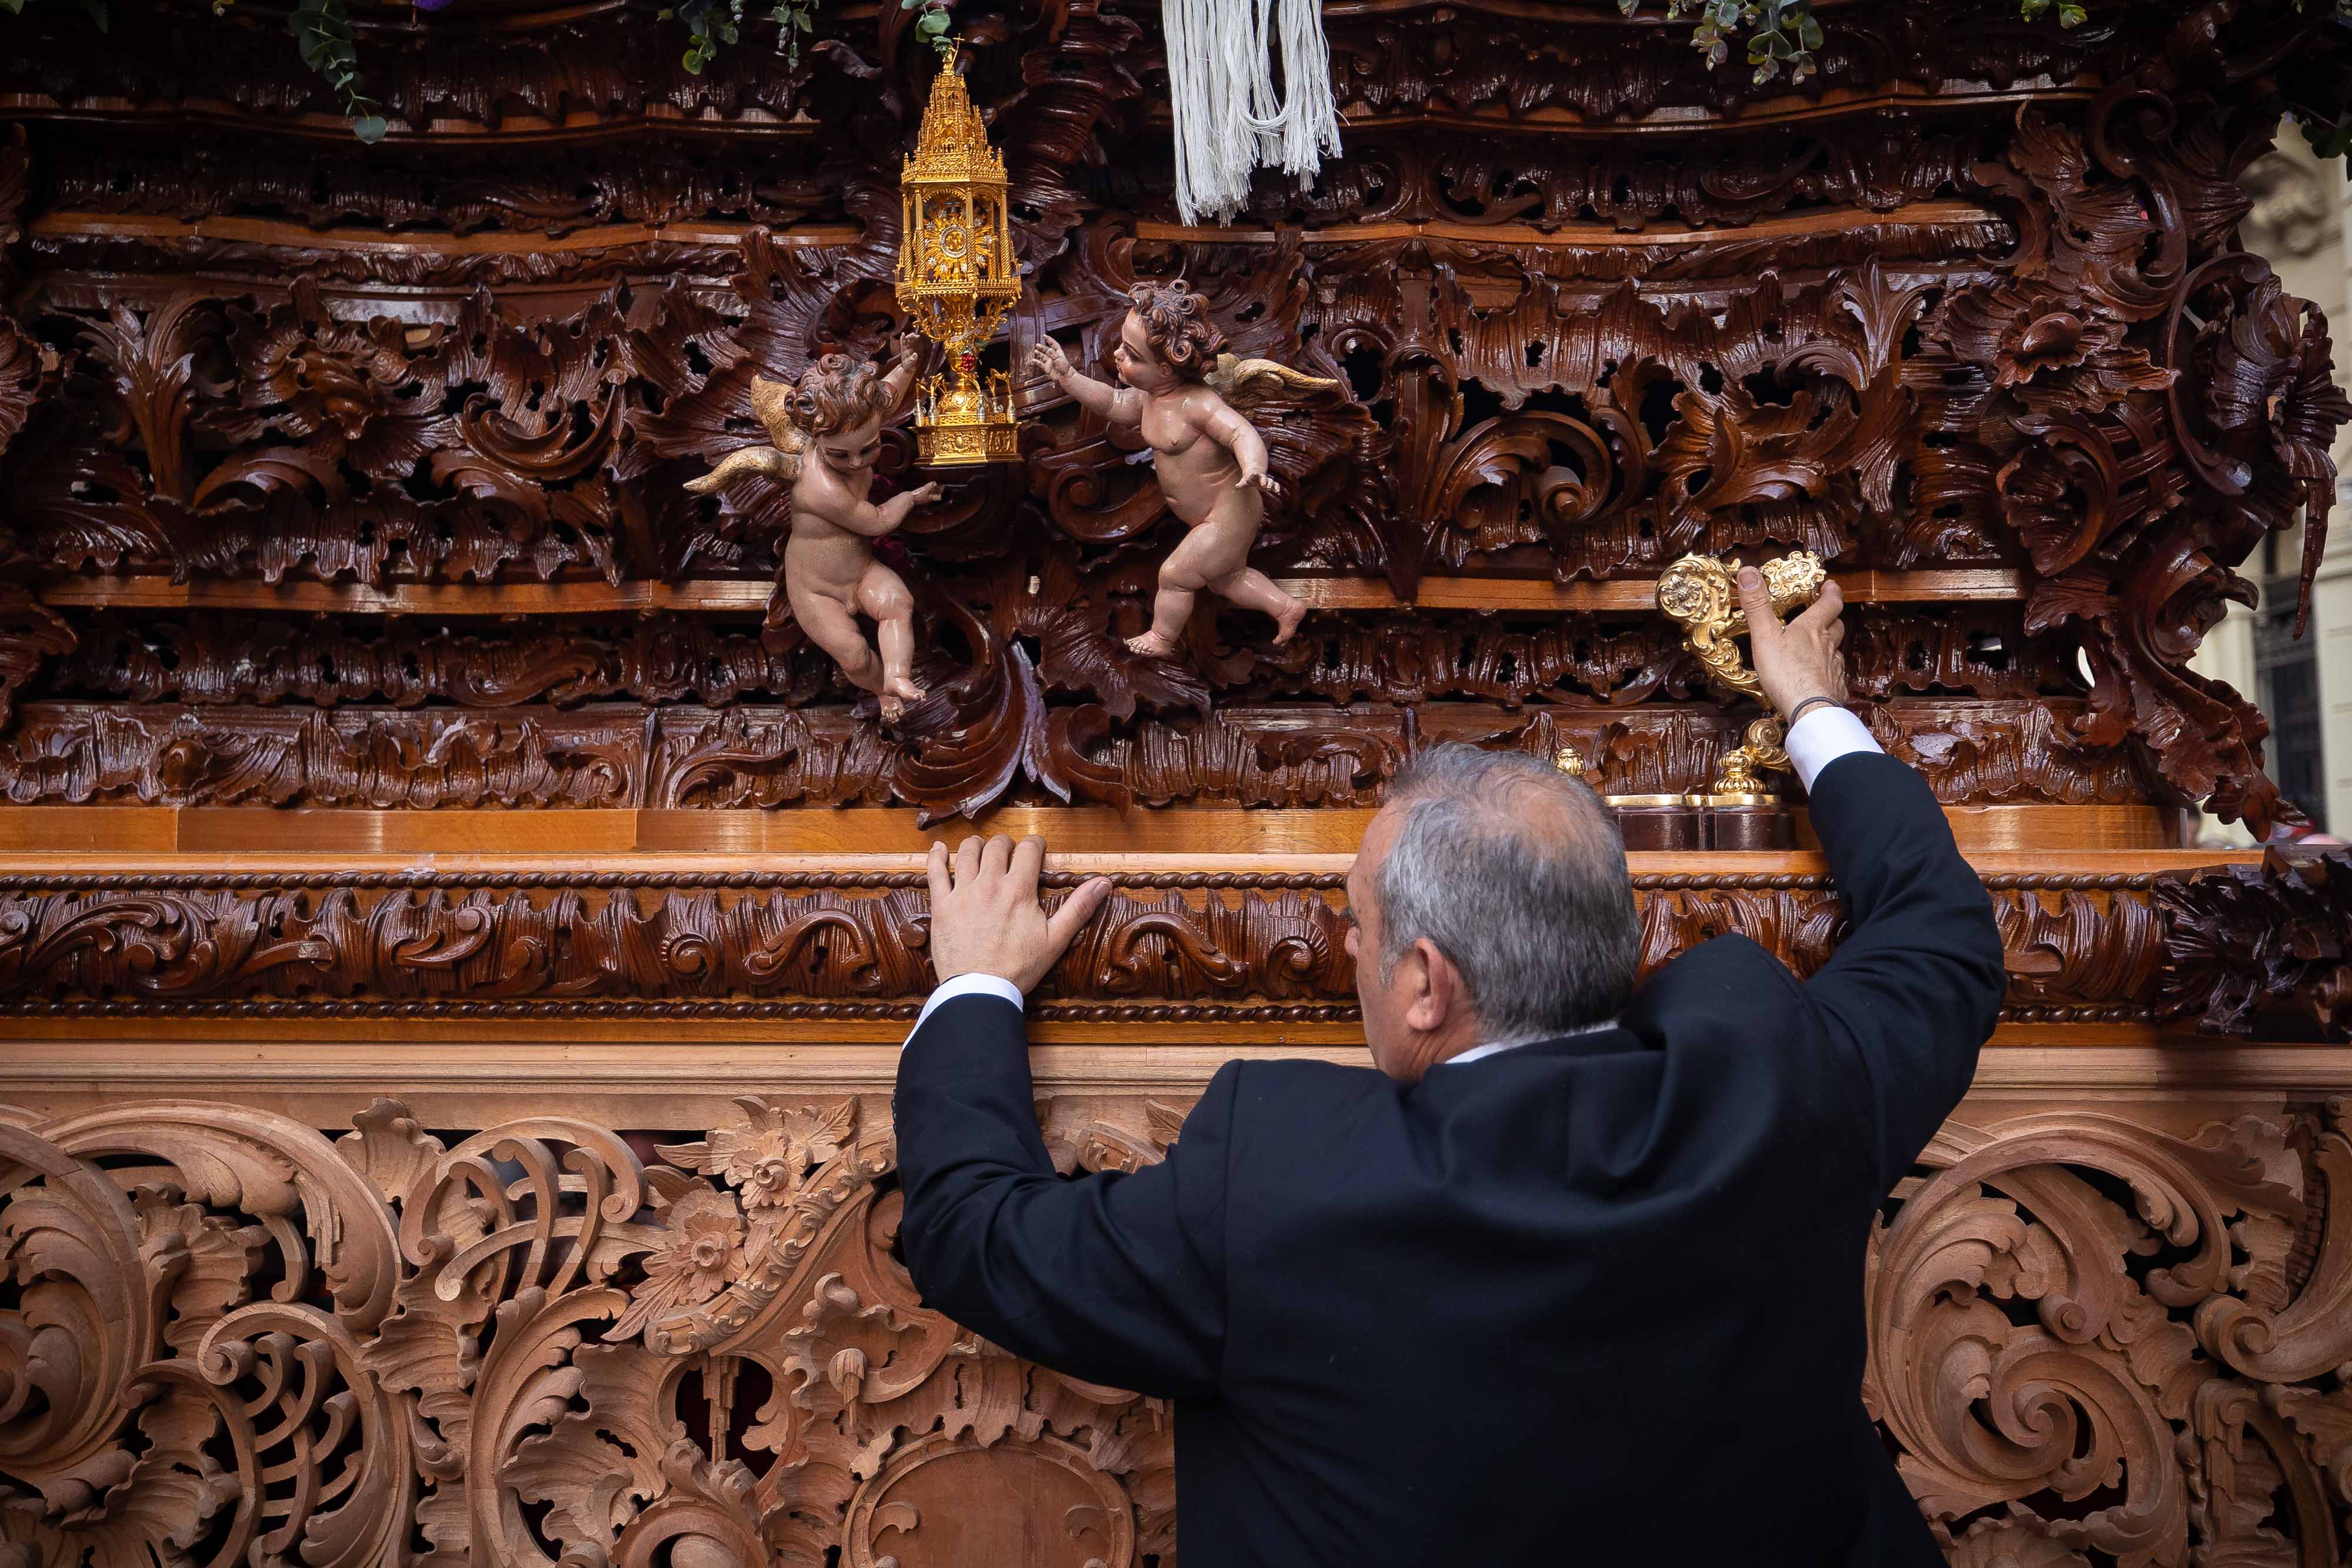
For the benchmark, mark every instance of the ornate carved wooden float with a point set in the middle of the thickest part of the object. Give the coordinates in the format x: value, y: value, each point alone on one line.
x: 453, y: 954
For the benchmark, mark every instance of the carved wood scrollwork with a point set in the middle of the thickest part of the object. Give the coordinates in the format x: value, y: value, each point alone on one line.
x: 345, y: 478
x: 2268, y: 946
x: 1183, y: 947
x: 2093, y: 1332
x: 2022, y: 341
x: 2042, y: 1380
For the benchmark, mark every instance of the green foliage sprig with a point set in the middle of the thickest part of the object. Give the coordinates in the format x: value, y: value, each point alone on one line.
x: 323, y: 29
x: 710, y: 23
x: 931, y: 26
x: 2326, y: 126
x: 796, y: 18
x: 1781, y: 35
x: 94, y: 9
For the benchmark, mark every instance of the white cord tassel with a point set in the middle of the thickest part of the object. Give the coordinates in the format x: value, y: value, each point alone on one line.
x: 1308, y: 125
x: 1228, y: 122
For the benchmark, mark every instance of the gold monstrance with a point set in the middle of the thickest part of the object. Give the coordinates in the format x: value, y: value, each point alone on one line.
x: 956, y: 278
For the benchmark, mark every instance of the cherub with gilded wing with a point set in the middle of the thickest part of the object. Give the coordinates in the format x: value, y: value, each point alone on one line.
x: 1181, y: 389
x: 827, y: 432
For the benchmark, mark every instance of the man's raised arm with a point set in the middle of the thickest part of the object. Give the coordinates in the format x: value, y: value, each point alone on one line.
x: 1117, y: 1278
x: 1915, y: 987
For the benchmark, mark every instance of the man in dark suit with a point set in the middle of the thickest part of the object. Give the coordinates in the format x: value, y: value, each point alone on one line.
x: 1576, y: 1275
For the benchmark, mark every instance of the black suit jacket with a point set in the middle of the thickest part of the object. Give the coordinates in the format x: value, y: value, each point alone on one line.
x: 1597, y: 1300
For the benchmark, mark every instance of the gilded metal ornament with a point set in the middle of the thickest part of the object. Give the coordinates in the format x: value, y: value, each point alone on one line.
x: 1700, y: 593
x: 957, y: 277
x: 1739, y: 773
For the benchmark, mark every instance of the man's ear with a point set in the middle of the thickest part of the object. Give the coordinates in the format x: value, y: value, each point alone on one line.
x: 1435, y: 987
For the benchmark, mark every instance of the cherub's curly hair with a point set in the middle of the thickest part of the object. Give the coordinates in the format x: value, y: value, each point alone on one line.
x: 1176, y: 324
x: 839, y: 392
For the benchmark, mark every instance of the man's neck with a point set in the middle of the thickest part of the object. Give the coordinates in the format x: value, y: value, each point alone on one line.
x: 1497, y: 1047
x: 1444, y: 1045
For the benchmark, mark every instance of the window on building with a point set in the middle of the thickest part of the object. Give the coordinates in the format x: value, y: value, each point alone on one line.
x: 2286, y: 677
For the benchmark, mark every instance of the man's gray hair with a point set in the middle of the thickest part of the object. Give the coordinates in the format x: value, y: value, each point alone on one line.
x: 1517, y: 872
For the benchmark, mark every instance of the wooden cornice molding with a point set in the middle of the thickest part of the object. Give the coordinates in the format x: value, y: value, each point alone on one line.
x: 1245, y: 941
x: 684, y: 1075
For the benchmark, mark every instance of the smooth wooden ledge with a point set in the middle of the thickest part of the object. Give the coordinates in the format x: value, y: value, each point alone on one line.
x: 129, y: 837
x: 750, y: 597
x: 389, y: 243
x: 1597, y: 236
x: 423, y: 242
x: 1559, y: 13
x: 450, y: 599
x: 662, y: 118
x: 1947, y: 585
x: 2048, y: 830
x: 512, y: 130
x: 1843, y: 103
x: 692, y: 1083
x: 544, y: 859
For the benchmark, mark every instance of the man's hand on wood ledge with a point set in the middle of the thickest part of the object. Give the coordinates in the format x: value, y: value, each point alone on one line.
x: 986, y: 917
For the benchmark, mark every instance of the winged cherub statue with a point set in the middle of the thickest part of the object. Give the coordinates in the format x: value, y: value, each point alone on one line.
x: 827, y: 432
x: 1178, y: 384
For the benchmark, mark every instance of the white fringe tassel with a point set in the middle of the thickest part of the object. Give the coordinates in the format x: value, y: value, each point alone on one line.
x: 1228, y: 124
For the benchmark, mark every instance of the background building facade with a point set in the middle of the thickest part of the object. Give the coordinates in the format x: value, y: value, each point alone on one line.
x: 2302, y: 212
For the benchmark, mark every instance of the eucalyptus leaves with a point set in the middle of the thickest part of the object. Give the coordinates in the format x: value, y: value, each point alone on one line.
x: 931, y: 26
x: 324, y: 30
x: 1780, y: 37
x: 94, y: 9
x: 1783, y: 33
x: 710, y: 23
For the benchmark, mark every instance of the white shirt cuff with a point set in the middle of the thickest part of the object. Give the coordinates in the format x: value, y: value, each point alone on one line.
x: 969, y: 985
x: 1824, y: 733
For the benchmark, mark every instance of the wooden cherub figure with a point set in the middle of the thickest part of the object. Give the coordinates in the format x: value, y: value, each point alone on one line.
x: 1175, y: 380
x: 827, y: 432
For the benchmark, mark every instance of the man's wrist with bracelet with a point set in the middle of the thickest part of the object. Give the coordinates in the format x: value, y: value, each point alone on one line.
x: 1829, y: 730
x: 1811, y: 703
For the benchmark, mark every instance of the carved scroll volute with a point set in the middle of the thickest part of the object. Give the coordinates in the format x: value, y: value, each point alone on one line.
x: 1700, y: 593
